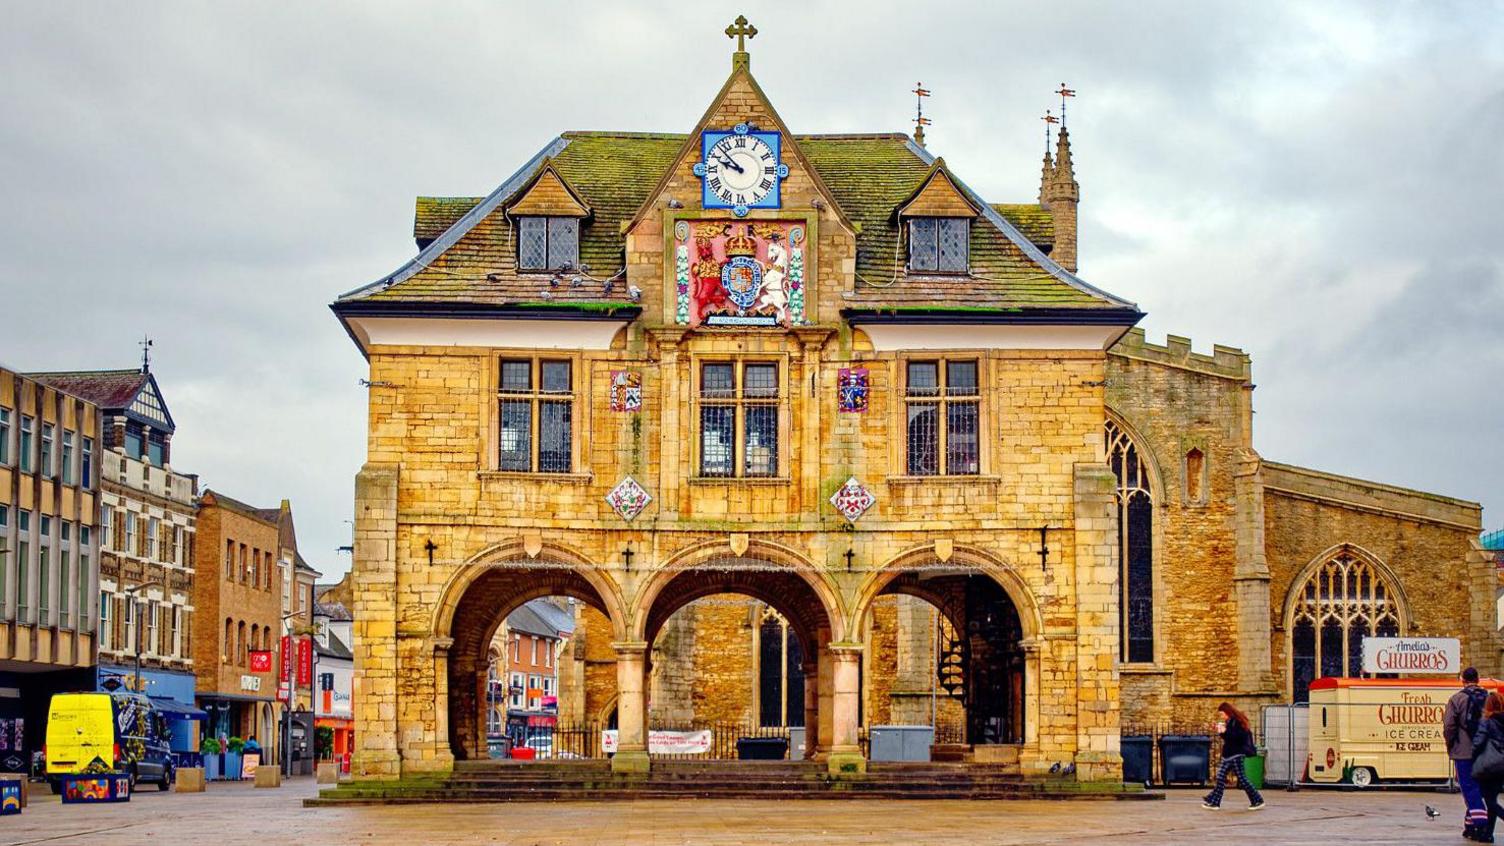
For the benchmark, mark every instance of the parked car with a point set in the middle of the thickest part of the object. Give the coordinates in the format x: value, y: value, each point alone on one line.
x: 119, y: 732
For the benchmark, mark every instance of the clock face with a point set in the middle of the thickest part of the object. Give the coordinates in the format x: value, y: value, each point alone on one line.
x: 741, y: 169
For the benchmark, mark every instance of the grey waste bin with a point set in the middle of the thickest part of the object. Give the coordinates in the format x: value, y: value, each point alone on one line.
x: 761, y: 748
x: 796, y: 742
x: 902, y: 743
x: 1185, y: 758
x: 1138, y: 758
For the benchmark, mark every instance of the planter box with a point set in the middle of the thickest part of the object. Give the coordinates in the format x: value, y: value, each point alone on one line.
x: 328, y: 772
x: 190, y: 780
x: 211, y: 767
x: 232, y: 766
x: 84, y: 789
x: 268, y: 777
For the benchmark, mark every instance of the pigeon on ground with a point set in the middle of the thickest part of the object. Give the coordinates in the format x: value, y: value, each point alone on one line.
x: 1070, y: 769
x: 1432, y: 813
x: 1055, y: 769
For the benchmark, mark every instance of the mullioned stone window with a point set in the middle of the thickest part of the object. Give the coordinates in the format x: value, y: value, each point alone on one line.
x: 1135, y: 545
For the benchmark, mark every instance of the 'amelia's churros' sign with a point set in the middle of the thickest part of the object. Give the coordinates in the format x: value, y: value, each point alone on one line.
x: 1412, y: 655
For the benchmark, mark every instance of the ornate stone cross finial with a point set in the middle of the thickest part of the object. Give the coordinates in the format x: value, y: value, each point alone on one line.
x: 741, y: 31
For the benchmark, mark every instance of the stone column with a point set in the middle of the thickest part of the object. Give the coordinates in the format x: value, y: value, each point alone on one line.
x: 1251, y: 578
x: 811, y: 708
x: 1098, y: 600
x: 631, y: 709
x: 845, y: 749
x: 374, y: 582
x: 824, y: 691
x: 443, y: 756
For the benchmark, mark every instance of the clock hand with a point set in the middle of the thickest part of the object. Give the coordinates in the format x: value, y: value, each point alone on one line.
x: 731, y: 163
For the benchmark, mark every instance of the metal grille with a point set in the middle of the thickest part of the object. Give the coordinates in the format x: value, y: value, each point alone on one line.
x: 563, y: 242
x: 549, y: 407
x: 532, y: 243
x: 717, y: 434
x: 922, y: 244
x: 750, y: 407
x: 943, y: 418
x: 954, y: 232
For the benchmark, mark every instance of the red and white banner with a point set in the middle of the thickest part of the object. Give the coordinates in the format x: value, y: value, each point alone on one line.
x: 286, y: 669
x: 664, y: 742
x: 1412, y: 655
x: 261, y: 660
x: 305, y: 662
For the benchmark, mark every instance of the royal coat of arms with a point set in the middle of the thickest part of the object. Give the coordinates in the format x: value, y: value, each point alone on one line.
x: 741, y: 274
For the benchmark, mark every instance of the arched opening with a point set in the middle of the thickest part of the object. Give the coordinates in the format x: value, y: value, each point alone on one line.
x: 735, y: 644
x: 953, y: 646
x: 518, y: 632
x: 957, y: 661
x: 1341, y: 598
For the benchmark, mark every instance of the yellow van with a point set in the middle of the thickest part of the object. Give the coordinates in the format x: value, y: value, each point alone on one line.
x: 1363, y: 731
x: 118, y: 732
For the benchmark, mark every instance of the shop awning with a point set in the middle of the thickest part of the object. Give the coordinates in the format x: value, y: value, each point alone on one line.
x: 175, y: 710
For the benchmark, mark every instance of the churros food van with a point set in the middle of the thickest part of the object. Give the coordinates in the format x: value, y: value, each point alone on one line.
x: 1364, y: 731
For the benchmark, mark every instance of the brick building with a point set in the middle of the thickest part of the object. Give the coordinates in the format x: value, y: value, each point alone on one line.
x: 49, y: 556
x: 524, y: 668
x: 239, y: 611
x: 822, y: 374
x: 146, y: 535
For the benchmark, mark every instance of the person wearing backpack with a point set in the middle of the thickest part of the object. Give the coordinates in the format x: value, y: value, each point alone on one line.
x: 1488, y: 763
x: 1458, y: 723
x: 1237, y: 744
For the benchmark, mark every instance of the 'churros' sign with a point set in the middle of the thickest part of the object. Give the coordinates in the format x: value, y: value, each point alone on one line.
x: 1412, y: 655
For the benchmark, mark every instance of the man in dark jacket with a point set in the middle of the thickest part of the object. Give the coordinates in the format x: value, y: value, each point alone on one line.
x: 1458, y: 722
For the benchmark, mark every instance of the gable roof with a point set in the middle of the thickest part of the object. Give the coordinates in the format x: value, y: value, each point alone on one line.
x: 936, y: 196
x: 215, y: 498
x: 133, y: 393
x: 548, y: 194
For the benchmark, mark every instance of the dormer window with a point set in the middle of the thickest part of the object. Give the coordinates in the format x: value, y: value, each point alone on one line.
x: 939, y: 244
x: 547, y: 244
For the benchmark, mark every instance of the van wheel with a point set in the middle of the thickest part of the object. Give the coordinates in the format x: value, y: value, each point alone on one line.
x: 1363, y: 777
x: 55, y: 786
x: 167, y: 779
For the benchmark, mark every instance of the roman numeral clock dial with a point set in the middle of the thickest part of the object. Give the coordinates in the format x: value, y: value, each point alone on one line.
x: 741, y: 170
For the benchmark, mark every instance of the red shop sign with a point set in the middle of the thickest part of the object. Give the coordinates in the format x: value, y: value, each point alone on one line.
x: 305, y: 661
x: 261, y: 660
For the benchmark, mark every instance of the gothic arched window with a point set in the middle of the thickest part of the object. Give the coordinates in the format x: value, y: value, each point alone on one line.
x: 1135, y: 546
x: 780, y: 683
x: 1345, y: 600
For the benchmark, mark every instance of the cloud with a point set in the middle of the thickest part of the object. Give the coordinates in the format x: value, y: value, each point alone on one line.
x: 1314, y: 183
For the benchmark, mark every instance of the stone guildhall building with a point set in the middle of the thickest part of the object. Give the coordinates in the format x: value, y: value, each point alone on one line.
x: 822, y: 373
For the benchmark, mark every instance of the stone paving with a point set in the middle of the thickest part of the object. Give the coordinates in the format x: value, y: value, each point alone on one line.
x: 239, y: 813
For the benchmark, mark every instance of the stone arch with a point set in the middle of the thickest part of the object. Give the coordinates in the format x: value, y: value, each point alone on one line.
x: 962, y: 558
x: 476, y: 601
x: 793, y: 586
x: 1295, y: 593
x: 1147, y: 455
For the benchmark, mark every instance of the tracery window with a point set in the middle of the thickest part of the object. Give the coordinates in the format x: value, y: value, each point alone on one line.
x: 1343, y: 602
x: 1135, y: 546
x: 780, y: 677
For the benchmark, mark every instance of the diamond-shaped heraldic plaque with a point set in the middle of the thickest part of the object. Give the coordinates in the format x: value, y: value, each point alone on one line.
x: 852, y: 499
x: 628, y: 498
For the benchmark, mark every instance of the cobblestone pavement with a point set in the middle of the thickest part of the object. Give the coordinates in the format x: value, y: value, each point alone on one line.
x: 239, y: 813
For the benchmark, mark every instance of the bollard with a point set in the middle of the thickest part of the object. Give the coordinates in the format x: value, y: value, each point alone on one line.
x: 190, y: 780
x: 268, y: 777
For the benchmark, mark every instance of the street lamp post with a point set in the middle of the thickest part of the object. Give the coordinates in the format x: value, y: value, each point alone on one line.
x: 292, y: 680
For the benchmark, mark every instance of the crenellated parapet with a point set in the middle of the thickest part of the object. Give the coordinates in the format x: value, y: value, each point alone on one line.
x: 1226, y: 362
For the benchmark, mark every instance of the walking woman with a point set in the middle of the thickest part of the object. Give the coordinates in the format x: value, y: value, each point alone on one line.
x: 1488, y: 762
x: 1237, y: 743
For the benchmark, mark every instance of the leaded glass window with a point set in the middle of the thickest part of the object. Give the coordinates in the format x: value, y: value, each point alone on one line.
x: 942, y: 418
x: 535, y: 416
x: 780, y: 677
x: 939, y: 244
x: 1135, y: 503
x: 548, y: 243
x: 739, y: 419
x: 1345, y: 601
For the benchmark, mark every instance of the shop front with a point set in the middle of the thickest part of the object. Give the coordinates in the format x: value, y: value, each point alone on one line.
x: 173, y: 693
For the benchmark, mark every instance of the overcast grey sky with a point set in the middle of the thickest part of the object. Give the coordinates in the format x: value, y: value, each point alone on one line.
x: 1317, y: 183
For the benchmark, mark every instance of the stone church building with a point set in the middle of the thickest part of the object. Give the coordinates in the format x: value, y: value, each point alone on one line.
x: 816, y: 435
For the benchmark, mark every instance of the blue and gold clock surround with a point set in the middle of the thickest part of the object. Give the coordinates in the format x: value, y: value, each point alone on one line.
x: 741, y: 169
